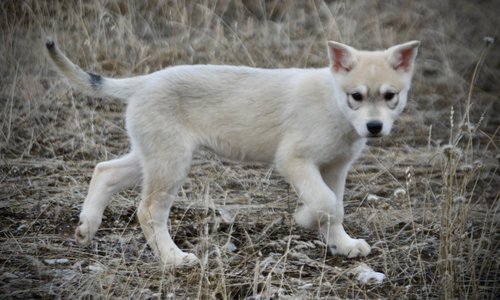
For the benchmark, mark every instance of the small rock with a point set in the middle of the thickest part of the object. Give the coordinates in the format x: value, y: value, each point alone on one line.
x: 370, y: 277
x: 8, y: 275
x: 230, y: 247
x: 95, y: 269
x: 57, y: 261
x: 372, y: 198
x: 20, y: 229
x: 306, y: 286
x: 226, y: 215
x: 366, y: 275
x: 377, y: 201
x: 66, y: 274
x: 399, y: 193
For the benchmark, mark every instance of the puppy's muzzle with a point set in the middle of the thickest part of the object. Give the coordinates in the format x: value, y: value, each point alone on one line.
x: 374, y: 128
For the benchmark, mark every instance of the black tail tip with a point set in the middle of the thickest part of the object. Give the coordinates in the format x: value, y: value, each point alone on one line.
x: 50, y: 44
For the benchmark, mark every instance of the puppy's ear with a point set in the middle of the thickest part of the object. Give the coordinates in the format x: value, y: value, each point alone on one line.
x: 402, y: 57
x: 342, y: 57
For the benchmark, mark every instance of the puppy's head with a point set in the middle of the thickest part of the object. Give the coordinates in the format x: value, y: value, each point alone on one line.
x: 372, y: 85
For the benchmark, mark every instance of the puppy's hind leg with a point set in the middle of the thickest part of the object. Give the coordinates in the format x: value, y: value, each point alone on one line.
x: 109, y: 177
x: 164, y: 173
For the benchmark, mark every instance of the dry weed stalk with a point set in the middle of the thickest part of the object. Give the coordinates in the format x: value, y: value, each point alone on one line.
x: 457, y: 201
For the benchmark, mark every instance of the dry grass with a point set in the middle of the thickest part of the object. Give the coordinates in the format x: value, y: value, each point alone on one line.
x: 433, y: 222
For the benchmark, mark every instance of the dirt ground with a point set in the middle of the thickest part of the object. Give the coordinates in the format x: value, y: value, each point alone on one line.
x: 425, y: 198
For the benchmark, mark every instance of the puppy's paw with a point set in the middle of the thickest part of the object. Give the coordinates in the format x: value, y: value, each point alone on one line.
x: 189, y: 260
x: 180, y: 260
x: 85, y: 232
x: 351, y: 248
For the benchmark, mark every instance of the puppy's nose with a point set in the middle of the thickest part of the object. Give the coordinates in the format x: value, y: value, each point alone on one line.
x: 374, y: 127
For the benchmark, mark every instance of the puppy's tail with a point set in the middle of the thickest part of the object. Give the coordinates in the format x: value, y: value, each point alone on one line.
x: 89, y: 82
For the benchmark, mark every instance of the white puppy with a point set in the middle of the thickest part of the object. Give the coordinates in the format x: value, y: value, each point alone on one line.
x: 311, y: 123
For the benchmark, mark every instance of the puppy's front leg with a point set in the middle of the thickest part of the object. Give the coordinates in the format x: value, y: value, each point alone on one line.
x: 322, y: 208
x: 339, y: 241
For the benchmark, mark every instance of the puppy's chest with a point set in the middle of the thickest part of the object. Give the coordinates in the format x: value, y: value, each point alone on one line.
x: 341, y: 151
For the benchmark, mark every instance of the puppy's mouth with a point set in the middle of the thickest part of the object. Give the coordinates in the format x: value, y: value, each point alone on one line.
x: 375, y: 136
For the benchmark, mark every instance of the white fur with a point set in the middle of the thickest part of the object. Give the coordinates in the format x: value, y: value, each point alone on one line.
x: 302, y: 120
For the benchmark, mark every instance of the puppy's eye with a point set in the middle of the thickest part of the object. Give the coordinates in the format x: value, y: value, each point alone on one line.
x: 357, y: 96
x: 389, y: 96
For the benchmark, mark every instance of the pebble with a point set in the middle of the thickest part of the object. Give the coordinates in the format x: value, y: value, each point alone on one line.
x: 95, y: 269
x: 366, y: 275
x: 57, y: 261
